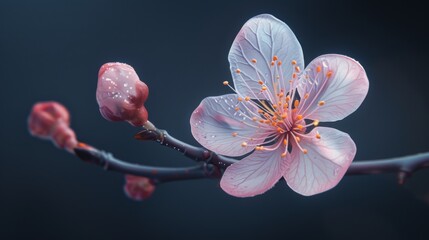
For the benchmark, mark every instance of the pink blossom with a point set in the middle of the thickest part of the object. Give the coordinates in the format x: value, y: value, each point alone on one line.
x: 121, y: 95
x: 275, y: 112
x: 138, y: 188
x: 51, y: 120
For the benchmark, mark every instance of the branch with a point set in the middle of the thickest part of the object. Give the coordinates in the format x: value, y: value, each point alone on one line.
x: 157, y: 174
x: 212, y: 165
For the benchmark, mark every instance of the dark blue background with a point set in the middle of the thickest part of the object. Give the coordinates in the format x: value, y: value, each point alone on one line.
x: 51, y: 50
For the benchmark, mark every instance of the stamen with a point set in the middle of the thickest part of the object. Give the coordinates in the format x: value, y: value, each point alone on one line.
x: 264, y: 88
x: 272, y: 63
x: 284, y: 116
x: 297, y: 69
x: 316, y: 123
x: 293, y: 62
x: 279, y: 63
x: 296, y: 103
x: 254, y: 60
x: 306, y: 96
x: 275, y: 58
x: 240, y: 99
x: 244, y: 144
x: 237, y: 109
x: 329, y: 74
x: 300, y: 127
x: 225, y: 83
x: 254, y: 119
x: 304, y: 151
x: 318, y: 69
x: 318, y: 135
x: 234, y: 134
x: 260, y: 82
x: 283, y: 154
x: 299, y: 117
x: 285, y: 142
x: 321, y: 103
x: 247, y: 99
x: 238, y: 70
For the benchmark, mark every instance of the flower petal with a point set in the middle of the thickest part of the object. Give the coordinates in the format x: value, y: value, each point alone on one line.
x: 221, y: 124
x: 339, y: 81
x: 260, y: 39
x: 324, y: 165
x: 254, y: 174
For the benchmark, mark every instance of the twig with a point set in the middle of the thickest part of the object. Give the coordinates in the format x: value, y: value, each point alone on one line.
x: 212, y: 165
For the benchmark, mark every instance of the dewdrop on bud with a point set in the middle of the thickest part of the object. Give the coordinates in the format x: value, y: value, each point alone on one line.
x: 138, y: 188
x: 121, y: 95
x: 51, y: 120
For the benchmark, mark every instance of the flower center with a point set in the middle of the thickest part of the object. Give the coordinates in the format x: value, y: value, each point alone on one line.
x: 283, y: 112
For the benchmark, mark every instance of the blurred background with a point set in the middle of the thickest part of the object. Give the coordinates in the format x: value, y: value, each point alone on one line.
x: 52, y: 50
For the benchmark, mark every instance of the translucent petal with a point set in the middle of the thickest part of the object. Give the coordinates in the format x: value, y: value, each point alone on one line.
x: 325, y: 163
x: 254, y: 174
x: 221, y: 124
x: 261, y: 38
x: 342, y: 92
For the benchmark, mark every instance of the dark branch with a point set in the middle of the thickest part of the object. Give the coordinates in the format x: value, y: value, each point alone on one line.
x: 212, y: 165
x: 158, y: 174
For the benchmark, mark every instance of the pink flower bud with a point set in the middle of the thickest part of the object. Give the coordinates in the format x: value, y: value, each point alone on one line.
x: 121, y: 95
x: 51, y: 120
x: 138, y: 188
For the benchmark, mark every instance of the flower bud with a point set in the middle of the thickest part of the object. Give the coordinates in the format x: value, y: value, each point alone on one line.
x: 51, y: 120
x: 121, y: 95
x: 138, y: 188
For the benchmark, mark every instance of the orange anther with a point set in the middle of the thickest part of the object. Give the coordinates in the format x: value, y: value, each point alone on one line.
x: 318, y: 136
x: 329, y: 74
x: 306, y: 96
x: 225, y: 83
x: 284, y: 116
x: 284, y: 142
x: 297, y: 69
x: 296, y: 103
x: 260, y: 82
x: 299, y: 117
x: 240, y: 99
x: 234, y: 134
x: 279, y: 63
x: 318, y: 69
x: 321, y: 103
x: 237, y: 109
x: 293, y: 76
x: 272, y: 63
x: 254, y: 119
x: 293, y: 62
x: 264, y: 88
x: 247, y: 99
x: 283, y: 154
x: 238, y: 70
x: 254, y: 60
x: 316, y: 123
x: 275, y: 58
x: 244, y: 144
x: 304, y: 151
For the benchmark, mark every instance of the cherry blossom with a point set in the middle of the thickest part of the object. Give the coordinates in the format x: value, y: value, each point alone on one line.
x: 272, y: 118
x: 138, y: 188
x: 121, y: 95
x: 51, y: 120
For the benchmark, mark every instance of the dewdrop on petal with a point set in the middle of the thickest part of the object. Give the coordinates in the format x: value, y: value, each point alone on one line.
x: 121, y: 95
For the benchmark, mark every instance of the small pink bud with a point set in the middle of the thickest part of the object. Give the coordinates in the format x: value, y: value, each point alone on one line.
x: 121, y: 95
x: 51, y: 120
x: 138, y: 188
